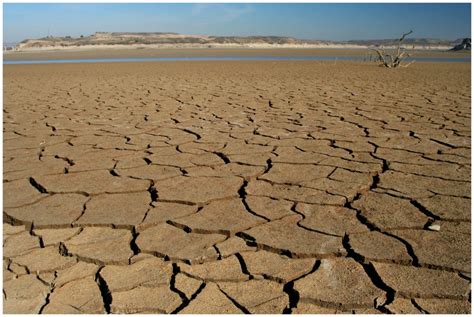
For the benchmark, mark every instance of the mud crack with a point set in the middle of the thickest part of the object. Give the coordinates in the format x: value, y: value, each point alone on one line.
x: 293, y: 294
x: 104, y: 291
x: 38, y: 186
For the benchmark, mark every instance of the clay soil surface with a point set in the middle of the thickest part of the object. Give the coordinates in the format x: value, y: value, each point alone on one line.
x: 230, y: 187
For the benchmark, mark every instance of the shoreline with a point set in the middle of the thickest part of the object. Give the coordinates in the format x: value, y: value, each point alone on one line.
x: 332, y: 60
x: 140, y: 52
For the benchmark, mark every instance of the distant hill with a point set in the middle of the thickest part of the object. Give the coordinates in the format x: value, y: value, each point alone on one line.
x: 159, y: 38
x: 407, y: 41
x: 127, y: 38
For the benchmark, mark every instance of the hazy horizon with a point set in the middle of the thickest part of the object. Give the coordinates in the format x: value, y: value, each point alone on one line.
x: 335, y: 22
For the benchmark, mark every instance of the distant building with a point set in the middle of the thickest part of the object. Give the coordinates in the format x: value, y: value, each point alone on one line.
x: 465, y: 45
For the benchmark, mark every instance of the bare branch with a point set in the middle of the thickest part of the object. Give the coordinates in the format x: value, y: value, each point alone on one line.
x: 406, y: 65
x: 390, y: 60
x: 401, y: 40
x: 381, y: 54
x: 405, y: 35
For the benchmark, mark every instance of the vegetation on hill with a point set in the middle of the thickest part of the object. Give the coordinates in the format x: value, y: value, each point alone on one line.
x: 144, y: 38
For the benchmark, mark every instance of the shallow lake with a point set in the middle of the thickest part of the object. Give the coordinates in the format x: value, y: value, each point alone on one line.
x: 229, y: 58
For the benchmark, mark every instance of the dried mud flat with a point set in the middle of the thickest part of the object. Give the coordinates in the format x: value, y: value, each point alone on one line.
x: 236, y: 187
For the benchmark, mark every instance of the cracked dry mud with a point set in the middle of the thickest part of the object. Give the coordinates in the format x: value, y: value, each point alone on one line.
x: 236, y: 187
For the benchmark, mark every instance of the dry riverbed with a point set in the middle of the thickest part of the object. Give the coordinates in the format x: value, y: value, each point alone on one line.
x: 230, y: 187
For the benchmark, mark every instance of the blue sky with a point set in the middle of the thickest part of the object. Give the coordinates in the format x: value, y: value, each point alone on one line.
x: 306, y: 21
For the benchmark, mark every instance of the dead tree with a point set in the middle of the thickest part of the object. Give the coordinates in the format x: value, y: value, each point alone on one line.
x: 390, y: 60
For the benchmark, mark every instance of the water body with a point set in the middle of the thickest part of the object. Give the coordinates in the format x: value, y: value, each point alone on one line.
x: 230, y: 58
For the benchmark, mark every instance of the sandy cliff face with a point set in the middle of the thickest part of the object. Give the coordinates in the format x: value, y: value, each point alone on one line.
x: 125, y: 38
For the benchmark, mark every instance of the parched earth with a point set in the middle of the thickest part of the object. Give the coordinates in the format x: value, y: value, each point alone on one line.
x: 236, y: 187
